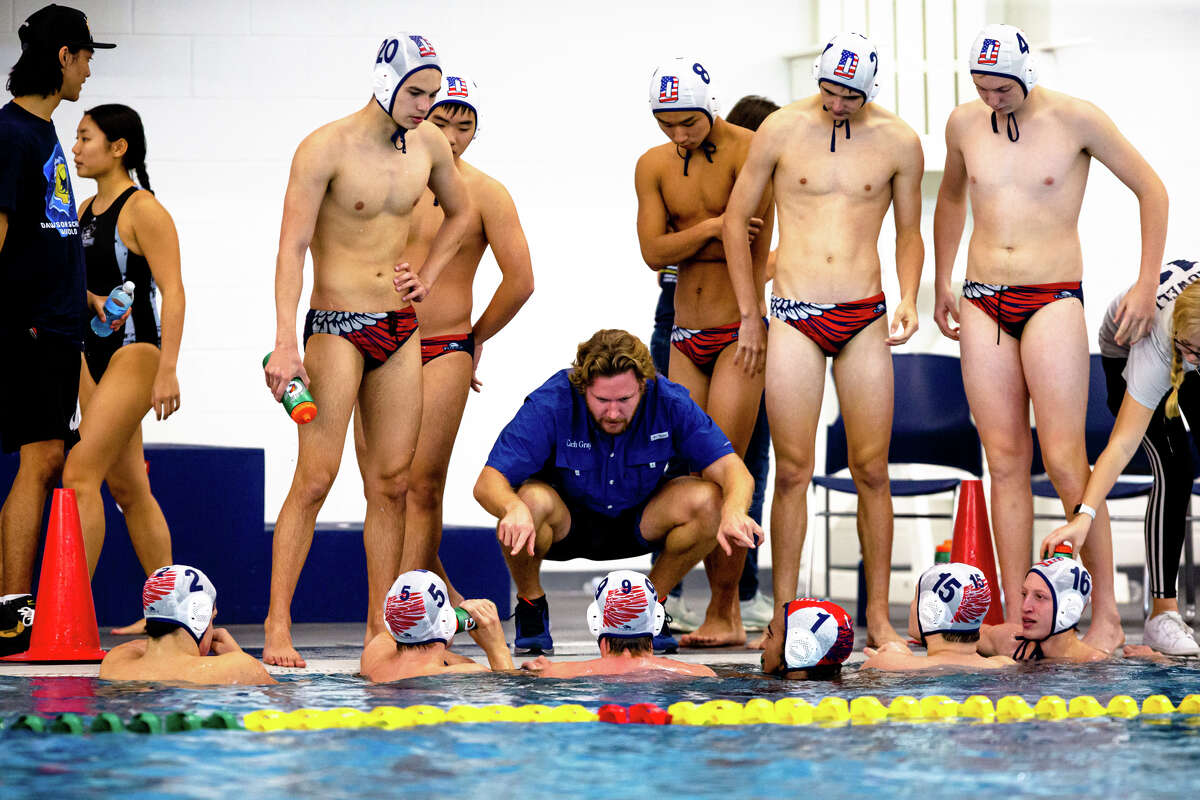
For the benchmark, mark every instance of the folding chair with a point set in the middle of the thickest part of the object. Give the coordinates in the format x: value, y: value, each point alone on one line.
x: 931, y: 424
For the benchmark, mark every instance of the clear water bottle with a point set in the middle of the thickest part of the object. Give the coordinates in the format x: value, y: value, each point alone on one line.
x: 119, y: 300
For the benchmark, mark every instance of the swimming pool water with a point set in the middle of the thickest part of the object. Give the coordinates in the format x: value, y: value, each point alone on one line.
x: 1101, y: 757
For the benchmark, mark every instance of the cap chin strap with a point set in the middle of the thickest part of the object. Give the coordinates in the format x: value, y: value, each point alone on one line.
x: 706, y: 147
x: 1014, y: 132
x: 841, y: 123
x: 399, y: 135
x: 1025, y: 653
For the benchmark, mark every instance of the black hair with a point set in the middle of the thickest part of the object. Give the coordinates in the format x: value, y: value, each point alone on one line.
x: 455, y: 109
x: 157, y: 628
x: 402, y: 647
x: 38, y: 71
x: 635, y: 646
x: 116, y: 122
x: 750, y: 111
x: 821, y: 672
x: 961, y: 637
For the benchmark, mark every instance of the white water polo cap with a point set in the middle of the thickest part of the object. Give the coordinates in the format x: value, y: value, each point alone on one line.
x: 952, y: 597
x: 626, y: 607
x: 180, y: 595
x: 461, y: 90
x: 816, y: 633
x: 1003, y: 51
x: 851, y: 61
x: 417, y: 610
x: 683, y: 84
x: 1070, y: 590
x: 398, y: 59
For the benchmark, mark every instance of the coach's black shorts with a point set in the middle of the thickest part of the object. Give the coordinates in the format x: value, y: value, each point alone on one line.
x: 41, y: 388
x: 603, y: 538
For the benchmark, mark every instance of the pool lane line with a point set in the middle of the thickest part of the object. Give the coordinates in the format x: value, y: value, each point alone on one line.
x: 829, y: 711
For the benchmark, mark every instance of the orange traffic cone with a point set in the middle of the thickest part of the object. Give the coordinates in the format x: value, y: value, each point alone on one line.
x: 973, y: 542
x: 64, y: 627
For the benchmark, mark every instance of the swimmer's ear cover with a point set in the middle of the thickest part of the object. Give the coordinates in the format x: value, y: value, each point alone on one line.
x: 952, y: 597
x: 849, y: 60
x: 683, y: 84
x: 626, y: 607
x: 1003, y: 51
x: 398, y: 57
x: 417, y: 609
x: 180, y: 595
x: 816, y: 633
x: 1070, y: 586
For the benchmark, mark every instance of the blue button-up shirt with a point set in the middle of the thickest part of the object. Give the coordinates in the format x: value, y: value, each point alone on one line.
x: 553, y: 437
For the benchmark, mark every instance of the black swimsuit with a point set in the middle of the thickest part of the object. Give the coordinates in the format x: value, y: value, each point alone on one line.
x: 110, y: 263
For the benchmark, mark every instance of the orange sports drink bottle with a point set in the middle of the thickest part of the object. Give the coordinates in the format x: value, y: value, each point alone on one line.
x: 297, y: 400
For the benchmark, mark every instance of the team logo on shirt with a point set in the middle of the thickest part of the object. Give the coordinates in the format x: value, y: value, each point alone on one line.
x: 60, y: 204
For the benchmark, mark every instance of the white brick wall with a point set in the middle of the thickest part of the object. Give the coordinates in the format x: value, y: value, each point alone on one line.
x: 227, y: 88
x: 191, y: 17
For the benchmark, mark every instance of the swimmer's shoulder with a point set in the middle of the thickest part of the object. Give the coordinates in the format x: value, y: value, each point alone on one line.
x: 684, y: 668
x: 999, y: 662
x: 482, y: 187
x: 656, y: 158
x: 966, y: 115
x: 896, y: 128
x: 118, y: 659
x: 327, y: 143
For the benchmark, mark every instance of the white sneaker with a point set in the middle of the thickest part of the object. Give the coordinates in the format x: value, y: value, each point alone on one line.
x: 1168, y: 633
x: 683, y: 619
x: 757, y: 612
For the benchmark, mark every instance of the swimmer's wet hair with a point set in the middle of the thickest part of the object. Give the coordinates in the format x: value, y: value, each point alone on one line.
x: 38, y: 72
x: 454, y: 109
x: 750, y: 111
x: 610, y: 352
x: 1185, y: 320
x: 823, y: 672
x: 960, y: 637
x: 156, y: 628
x: 401, y: 647
x: 637, y: 646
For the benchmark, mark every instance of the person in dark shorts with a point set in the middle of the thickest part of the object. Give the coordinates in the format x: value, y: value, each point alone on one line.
x: 582, y: 472
x: 756, y: 606
x: 41, y: 266
x: 127, y: 236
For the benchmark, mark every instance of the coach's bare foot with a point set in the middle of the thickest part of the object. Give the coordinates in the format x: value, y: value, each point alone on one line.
x: 1105, y: 634
x: 278, y: 650
x: 759, y: 643
x: 880, y: 634
x: 135, y: 629
x: 715, y: 633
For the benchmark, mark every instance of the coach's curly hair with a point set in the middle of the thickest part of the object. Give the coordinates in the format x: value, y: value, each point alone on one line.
x: 1185, y: 322
x: 610, y: 352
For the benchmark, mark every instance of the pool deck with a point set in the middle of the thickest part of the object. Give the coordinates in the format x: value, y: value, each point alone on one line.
x: 335, y: 648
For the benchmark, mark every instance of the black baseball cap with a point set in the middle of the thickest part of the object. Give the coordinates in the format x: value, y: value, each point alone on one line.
x: 56, y: 26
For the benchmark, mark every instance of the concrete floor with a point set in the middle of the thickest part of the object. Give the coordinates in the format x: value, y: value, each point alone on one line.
x: 335, y: 648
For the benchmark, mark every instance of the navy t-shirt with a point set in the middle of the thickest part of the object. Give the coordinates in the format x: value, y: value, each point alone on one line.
x: 41, y: 262
x: 554, y: 437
